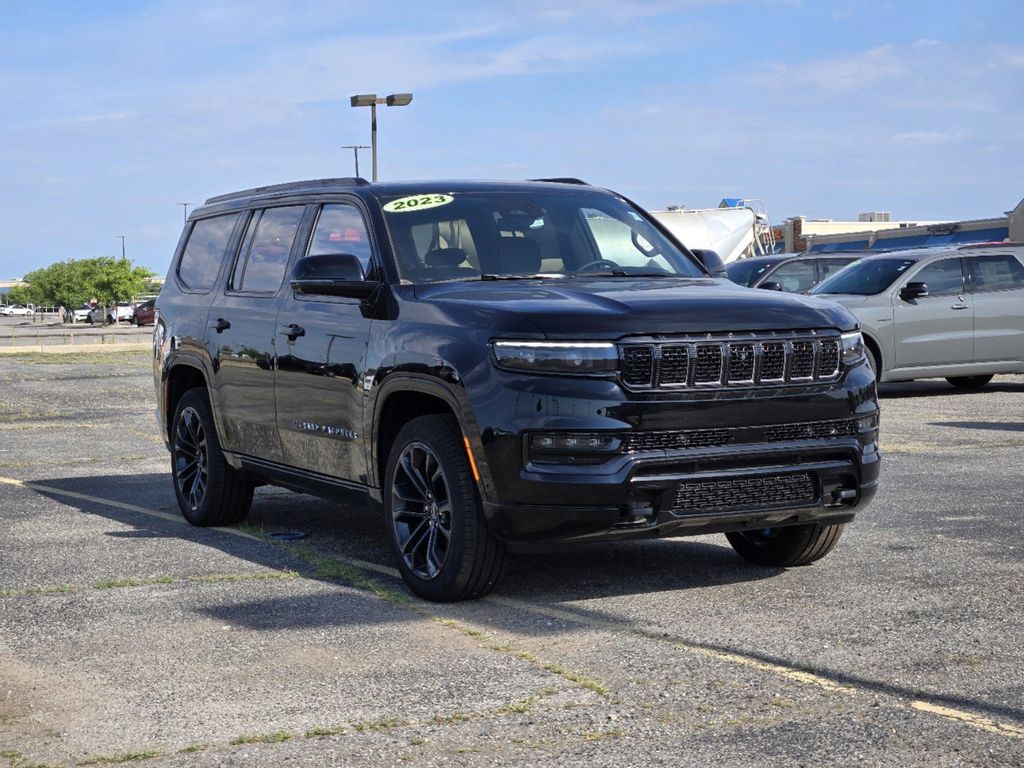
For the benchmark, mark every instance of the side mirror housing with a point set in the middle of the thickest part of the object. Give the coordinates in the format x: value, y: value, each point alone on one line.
x: 332, y: 274
x: 914, y: 291
x: 771, y: 285
x: 711, y: 260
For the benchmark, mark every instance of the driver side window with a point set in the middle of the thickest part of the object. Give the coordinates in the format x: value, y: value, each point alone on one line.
x: 943, y: 278
x: 340, y: 229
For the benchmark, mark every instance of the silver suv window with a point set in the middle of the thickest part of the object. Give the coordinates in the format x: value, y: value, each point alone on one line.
x: 996, y: 273
x: 943, y: 278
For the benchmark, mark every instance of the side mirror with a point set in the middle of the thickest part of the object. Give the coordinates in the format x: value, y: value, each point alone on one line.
x: 332, y: 274
x: 711, y: 260
x: 771, y: 285
x: 914, y: 291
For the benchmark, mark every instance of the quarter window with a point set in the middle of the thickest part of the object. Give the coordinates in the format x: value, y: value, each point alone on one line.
x: 943, y: 278
x: 269, y: 238
x: 996, y: 273
x: 204, y: 252
x: 341, y: 229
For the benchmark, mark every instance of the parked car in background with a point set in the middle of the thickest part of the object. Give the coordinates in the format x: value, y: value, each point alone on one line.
x: 81, y: 315
x: 145, y: 313
x: 12, y: 310
x: 951, y: 312
x: 789, y: 272
x: 111, y: 315
x: 748, y: 271
x: 801, y: 273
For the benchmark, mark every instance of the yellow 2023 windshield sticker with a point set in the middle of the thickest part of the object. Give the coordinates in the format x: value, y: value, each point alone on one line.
x: 417, y: 203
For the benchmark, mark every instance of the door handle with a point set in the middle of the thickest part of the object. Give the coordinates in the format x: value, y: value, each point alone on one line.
x: 220, y: 324
x: 293, y: 331
x: 961, y: 306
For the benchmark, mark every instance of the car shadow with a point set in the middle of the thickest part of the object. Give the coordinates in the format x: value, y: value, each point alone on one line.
x: 937, y: 387
x: 534, y: 581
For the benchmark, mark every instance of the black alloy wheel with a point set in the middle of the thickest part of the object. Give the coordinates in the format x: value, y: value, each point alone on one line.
x: 435, y: 522
x: 421, y: 510
x: 209, y: 491
x: 191, y: 456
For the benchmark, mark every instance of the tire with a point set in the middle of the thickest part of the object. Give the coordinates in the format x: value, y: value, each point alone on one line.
x: 434, y: 517
x: 788, y: 546
x: 969, y: 382
x: 874, y: 362
x: 134, y: 320
x: 225, y: 495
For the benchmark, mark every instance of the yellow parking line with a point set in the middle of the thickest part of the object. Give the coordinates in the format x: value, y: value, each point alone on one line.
x: 791, y: 673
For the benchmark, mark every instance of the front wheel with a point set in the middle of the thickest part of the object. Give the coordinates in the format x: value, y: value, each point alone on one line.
x: 434, y: 517
x: 209, y: 491
x: 969, y: 382
x: 784, y: 547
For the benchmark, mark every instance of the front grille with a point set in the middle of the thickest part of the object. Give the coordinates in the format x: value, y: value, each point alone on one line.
x: 750, y: 360
x: 637, y: 365
x: 758, y: 492
x: 710, y: 438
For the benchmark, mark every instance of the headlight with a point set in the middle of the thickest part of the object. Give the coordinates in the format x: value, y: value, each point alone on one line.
x: 853, y: 347
x: 556, y: 356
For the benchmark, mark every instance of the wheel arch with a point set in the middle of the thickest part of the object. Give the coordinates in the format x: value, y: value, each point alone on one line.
x: 875, y: 346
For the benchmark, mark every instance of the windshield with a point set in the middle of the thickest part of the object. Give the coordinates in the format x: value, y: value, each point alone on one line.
x: 507, y: 235
x: 865, y: 277
x: 747, y: 271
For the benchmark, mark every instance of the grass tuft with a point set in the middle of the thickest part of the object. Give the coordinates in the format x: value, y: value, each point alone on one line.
x: 121, y: 583
x: 276, y: 737
x: 124, y: 757
x: 380, y: 725
x: 319, y: 733
x: 193, y: 748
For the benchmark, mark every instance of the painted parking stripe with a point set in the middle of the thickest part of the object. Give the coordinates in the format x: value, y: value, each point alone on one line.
x: 794, y: 674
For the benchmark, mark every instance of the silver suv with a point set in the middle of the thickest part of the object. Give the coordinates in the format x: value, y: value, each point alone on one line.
x: 952, y: 312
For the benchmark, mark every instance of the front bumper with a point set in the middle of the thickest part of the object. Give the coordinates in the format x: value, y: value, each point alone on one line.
x: 692, y: 492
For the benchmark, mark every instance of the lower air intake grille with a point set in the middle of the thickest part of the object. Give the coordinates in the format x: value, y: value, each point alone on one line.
x: 755, y: 492
x: 707, y: 438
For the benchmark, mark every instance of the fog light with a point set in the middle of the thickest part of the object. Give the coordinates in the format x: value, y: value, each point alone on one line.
x: 572, y: 447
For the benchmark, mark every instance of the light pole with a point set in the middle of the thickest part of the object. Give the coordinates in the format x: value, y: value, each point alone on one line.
x: 355, y: 151
x: 370, y: 100
x: 184, y: 213
x: 122, y: 245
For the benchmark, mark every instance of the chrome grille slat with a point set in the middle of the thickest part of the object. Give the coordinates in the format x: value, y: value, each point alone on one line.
x: 735, y: 360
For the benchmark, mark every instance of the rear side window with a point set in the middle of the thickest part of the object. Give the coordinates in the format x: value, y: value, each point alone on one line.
x: 268, y: 244
x: 200, y: 262
x: 828, y: 266
x: 996, y: 273
x: 943, y: 278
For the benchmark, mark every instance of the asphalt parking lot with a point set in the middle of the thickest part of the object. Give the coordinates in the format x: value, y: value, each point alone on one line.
x: 127, y: 636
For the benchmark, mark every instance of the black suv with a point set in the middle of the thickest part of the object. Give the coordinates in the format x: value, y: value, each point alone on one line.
x: 503, y: 361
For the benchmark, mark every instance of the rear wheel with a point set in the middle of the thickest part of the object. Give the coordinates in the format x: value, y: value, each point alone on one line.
x: 788, y: 546
x: 209, y: 491
x: 969, y: 382
x: 434, y: 517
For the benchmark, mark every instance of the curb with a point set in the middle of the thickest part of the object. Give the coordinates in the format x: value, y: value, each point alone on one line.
x: 61, y: 349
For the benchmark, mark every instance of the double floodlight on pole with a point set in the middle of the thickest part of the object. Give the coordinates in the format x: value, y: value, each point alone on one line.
x: 370, y: 100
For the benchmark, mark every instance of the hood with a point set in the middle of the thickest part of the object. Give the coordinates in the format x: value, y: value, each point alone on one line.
x: 611, y: 307
x: 846, y: 299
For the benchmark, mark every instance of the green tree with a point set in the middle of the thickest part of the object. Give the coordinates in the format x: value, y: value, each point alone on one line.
x: 21, y: 294
x: 75, y: 282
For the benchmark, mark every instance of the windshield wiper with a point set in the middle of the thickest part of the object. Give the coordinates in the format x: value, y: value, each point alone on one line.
x: 624, y: 273
x: 534, y: 276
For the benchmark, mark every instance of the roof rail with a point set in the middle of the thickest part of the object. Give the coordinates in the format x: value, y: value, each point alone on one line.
x: 349, y: 181
x: 991, y: 244
x: 565, y: 180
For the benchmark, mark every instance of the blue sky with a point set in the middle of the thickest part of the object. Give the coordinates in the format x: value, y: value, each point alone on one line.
x: 113, y: 112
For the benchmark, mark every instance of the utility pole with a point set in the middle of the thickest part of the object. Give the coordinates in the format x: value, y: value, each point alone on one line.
x: 355, y: 151
x: 184, y: 213
x: 122, y: 245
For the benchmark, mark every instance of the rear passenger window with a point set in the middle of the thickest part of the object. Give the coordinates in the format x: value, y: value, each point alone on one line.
x: 268, y: 244
x: 341, y: 229
x: 795, y: 276
x: 200, y: 262
x: 943, y: 278
x: 996, y: 273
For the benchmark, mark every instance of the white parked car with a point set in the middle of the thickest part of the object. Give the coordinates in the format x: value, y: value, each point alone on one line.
x: 950, y: 312
x: 111, y: 315
x: 12, y: 310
